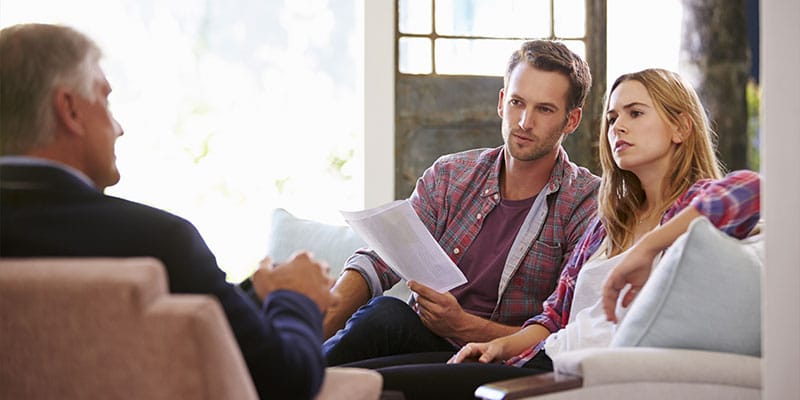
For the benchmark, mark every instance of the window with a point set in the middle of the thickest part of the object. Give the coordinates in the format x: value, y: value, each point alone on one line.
x: 475, y: 37
x: 230, y: 108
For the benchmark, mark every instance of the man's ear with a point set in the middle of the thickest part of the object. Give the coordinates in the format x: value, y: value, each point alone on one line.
x: 66, y: 110
x: 683, y: 130
x: 573, y: 120
x: 500, y: 98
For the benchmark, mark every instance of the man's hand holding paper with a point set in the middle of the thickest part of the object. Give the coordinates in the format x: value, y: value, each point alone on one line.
x: 440, y: 312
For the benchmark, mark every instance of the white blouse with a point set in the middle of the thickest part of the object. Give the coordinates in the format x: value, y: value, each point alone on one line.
x: 587, y: 326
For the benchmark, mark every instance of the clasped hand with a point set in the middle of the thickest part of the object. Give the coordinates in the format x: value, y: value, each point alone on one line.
x: 302, y: 274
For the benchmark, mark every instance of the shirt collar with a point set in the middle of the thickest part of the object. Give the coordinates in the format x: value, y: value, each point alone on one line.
x: 36, y: 161
x: 553, y: 183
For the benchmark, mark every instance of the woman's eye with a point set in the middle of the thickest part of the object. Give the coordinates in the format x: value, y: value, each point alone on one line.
x: 635, y: 113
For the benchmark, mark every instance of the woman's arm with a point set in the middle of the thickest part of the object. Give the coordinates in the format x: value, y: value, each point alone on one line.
x: 732, y: 204
x: 635, y: 267
x: 502, y: 348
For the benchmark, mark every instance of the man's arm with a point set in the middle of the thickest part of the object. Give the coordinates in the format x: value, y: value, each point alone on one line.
x: 290, y: 316
x: 353, y: 292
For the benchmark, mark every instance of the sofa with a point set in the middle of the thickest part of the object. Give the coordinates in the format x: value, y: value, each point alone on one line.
x: 108, y: 328
x: 637, y: 373
x: 693, y: 332
x: 661, y: 351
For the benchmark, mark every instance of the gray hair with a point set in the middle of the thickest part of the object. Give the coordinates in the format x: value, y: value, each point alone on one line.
x: 36, y: 60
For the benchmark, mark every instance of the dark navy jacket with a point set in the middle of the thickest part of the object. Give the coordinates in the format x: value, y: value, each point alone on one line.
x: 48, y: 211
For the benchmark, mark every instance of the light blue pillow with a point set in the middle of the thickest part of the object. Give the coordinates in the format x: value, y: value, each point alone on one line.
x: 704, y: 294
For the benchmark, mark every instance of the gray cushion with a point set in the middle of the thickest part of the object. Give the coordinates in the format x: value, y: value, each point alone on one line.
x: 704, y: 294
x: 332, y: 243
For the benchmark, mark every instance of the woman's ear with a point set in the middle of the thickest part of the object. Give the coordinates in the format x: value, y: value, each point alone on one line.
x: 683, y: 129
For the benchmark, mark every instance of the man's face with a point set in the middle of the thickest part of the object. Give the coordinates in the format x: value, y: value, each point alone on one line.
x: 533, y: 106
x: 101, y: 130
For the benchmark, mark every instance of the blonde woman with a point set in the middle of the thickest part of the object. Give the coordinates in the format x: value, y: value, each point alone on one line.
x: 659, y: 173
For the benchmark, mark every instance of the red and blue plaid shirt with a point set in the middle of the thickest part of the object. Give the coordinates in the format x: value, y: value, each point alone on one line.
x: 458, y: 190
x: 732, y: 204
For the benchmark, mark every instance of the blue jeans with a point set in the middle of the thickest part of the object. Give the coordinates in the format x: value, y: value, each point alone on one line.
x: 383, y: 327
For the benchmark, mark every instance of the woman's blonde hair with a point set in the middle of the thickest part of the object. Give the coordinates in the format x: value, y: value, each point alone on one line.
x: 621, y: 194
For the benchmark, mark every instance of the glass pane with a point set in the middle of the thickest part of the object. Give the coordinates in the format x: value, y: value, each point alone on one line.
x: 570, y: 18
x: 635, y: 43
x: 473, y: 56
x: 415, y: 55
x: 578, y: 46
x: 493, y: 18
x: 415, y: 16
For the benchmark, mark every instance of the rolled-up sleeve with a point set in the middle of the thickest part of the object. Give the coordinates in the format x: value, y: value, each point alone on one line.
x: 732, y: 203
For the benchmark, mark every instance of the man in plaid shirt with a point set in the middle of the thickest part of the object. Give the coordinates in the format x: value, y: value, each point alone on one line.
x: 508, y: 217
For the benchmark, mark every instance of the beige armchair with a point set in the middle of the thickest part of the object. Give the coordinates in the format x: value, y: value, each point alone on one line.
x: 108, y: 328
x: 637, y: 373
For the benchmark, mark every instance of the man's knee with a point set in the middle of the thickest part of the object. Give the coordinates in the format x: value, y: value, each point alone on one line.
x: 389, y: 303
x: 384, y: 311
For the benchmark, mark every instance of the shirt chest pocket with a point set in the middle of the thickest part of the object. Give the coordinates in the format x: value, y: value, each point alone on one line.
x: 546, y: 259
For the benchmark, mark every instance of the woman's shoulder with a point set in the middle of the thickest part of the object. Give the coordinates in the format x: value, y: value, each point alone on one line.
x: 738, y: 177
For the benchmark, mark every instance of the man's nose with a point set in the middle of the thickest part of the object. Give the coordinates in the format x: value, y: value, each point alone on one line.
x: 118, y: 128
x: 526, y: 120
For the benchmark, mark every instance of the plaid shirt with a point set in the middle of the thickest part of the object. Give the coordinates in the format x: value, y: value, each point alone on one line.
x: 458, y: 190
x: 732, y: 204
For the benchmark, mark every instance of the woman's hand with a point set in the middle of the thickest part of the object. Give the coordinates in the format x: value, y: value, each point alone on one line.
x: 481, y: 352
x: 503, y: 347
x: 635, y: 269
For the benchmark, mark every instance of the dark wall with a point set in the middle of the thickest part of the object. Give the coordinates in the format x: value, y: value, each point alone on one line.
x: 438, y: 115
x: 714, y: 57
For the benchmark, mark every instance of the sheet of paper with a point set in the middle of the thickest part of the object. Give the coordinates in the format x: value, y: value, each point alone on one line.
x: 395, y: 232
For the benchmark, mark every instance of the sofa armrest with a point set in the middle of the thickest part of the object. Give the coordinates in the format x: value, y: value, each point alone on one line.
x: 342, y: 383
x: 630, y: 365
x: 641, y: 364
x: 534, y: 385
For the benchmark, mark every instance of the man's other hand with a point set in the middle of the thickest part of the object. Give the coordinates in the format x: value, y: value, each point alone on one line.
x: 301, y: 274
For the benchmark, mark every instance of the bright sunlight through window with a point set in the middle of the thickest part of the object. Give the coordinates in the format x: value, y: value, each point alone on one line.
x: 230, y: 108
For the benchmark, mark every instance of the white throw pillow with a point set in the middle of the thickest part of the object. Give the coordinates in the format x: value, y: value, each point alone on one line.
x: 704, y: 294
x: 332, y: 243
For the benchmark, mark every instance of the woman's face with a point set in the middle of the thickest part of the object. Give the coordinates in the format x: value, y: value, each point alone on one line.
x: 641, y: 141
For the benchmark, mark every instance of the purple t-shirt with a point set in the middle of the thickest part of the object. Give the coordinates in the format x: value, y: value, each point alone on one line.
x: 484, y: 260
